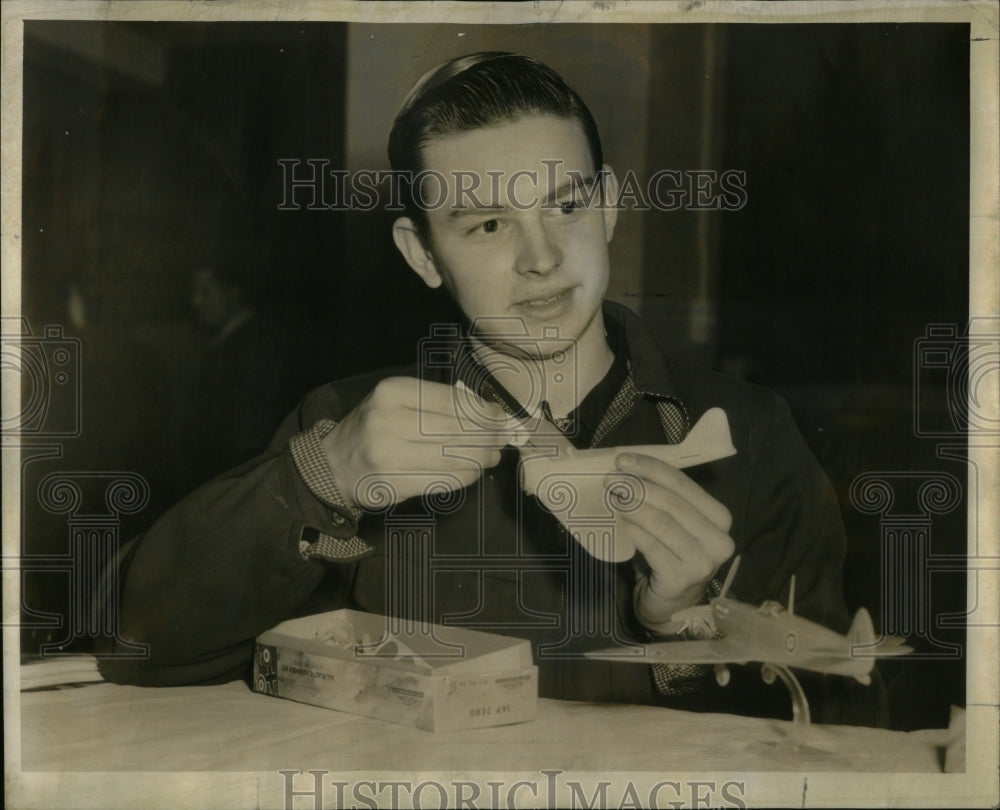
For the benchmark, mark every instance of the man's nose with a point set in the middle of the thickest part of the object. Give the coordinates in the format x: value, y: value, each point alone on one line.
x: 538, y: 252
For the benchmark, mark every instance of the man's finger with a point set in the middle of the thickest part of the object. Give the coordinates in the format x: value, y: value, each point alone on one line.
x: 657, y: 472
x: 707, y: 548
x: 659, y: 555
x: 658, y: 500
x: 434, y: 397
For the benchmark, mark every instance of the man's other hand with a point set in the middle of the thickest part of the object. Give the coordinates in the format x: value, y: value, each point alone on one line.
x: 407, y: 430
x: 683, y: 535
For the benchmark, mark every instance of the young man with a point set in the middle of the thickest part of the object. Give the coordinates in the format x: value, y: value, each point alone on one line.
x: 381, y: 492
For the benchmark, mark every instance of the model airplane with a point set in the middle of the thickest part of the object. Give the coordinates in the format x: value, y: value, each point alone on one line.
x: 769, y: 634
x: 569, y: 482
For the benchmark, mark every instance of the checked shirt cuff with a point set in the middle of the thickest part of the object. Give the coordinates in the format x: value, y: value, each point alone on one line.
x: 310, y: 461
x: 683, y: 679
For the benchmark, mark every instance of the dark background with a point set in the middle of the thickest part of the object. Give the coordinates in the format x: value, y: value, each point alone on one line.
x: 149, y: 145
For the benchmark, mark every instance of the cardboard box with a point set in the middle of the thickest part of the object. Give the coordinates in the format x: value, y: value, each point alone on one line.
x: 435, y: 678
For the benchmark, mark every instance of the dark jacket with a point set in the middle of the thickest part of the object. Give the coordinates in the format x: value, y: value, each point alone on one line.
x: 224, y: 564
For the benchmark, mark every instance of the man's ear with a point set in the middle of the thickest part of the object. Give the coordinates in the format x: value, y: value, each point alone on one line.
x: 411, y: 245
x: 610, y: 200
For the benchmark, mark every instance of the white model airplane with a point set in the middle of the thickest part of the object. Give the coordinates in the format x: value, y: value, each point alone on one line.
x: 551, y: 468
x: 769, y: 634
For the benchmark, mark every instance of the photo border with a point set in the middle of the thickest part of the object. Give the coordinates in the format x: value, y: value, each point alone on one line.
x: 978, y: 786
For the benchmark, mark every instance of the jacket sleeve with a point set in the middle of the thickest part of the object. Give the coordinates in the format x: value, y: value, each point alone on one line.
x: 792, y: 525
x: 223, y: 565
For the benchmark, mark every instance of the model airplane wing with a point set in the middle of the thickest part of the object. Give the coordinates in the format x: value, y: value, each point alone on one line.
x: 839, y: 661
x: 884, y: 648
x: 844, y: 663
x: 569, y: 481
x: 718, y: 651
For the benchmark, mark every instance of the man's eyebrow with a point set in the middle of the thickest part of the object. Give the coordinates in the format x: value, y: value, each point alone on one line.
x: 457, y: 212
x: 574, y: 182
x: 476, y: 209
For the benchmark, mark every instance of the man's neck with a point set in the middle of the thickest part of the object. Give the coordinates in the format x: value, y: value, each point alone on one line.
x: 561, y: 380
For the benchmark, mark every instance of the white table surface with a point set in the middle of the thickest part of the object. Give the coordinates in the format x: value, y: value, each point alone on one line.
x: 106, y: 727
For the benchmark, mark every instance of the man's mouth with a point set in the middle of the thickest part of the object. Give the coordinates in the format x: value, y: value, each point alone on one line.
x: 545, y: 301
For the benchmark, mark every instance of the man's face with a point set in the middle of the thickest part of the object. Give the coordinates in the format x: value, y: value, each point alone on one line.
x: 213, y: 303
x: 522, y: 250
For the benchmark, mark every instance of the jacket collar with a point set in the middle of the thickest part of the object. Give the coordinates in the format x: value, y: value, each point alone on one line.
x: 650, y: 368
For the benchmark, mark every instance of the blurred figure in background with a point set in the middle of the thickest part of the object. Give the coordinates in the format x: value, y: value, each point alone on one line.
x: 242, y: 391
x: 220, y: 304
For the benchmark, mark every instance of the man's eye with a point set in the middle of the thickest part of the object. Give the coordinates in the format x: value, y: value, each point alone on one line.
x: 570, y: 206
x: 489, y: 226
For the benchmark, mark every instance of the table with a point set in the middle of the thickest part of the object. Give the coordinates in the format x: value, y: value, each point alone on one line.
x: 106, y: 727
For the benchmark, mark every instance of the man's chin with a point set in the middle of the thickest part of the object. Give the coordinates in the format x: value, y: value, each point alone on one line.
x: 539, y: 347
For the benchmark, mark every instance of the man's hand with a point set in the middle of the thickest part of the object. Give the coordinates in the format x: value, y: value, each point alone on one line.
x: 402, y: 428
x: 682, y: 532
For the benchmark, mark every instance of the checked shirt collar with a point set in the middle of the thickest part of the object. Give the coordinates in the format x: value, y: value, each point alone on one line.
x: 648, y: 376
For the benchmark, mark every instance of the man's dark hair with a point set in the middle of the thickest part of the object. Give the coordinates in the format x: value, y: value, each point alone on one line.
x: 474, y: 91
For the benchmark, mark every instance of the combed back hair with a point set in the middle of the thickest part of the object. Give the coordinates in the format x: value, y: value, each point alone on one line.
x: 474, y: 91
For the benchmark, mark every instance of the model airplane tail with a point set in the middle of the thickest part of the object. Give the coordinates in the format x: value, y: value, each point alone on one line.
x: 708, y: 440
x: 862, y: 630
x: 866, y: 645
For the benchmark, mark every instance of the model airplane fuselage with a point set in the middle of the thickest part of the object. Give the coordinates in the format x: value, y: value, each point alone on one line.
x: 768, y: 634
x: 773, y: 635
